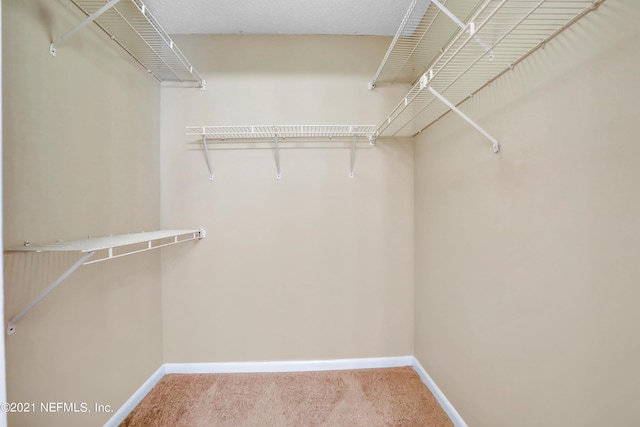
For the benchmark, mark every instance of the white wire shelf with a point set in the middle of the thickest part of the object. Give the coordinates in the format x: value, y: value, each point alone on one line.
x: 108, y: 248
x: 419, y: 39
x: 499, y: 35
x: 283, y: 133
x: 271, y: 132
x: 129, y: 23
x: 94, y: 244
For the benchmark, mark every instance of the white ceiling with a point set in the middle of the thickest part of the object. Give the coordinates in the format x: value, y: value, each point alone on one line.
x: 364, y: 17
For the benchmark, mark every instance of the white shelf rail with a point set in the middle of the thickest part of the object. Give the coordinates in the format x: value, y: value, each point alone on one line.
x: 130, y: 24
x: 509, y: 30
x: 107, y: 248
x: 283, y: 133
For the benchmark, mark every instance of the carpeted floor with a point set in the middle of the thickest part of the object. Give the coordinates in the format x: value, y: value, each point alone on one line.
x: 366, y: 398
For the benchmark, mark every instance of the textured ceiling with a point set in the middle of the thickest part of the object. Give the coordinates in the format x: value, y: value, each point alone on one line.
x: 365, y: 17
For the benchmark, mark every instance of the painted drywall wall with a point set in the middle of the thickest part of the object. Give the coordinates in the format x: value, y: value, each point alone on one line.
x: 527, y: 261
x: 81, y: 156
x: 316, y: 265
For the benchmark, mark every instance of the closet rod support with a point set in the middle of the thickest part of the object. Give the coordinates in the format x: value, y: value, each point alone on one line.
x: 89, y: 19
x: 496, y: 146
x: 11, y: 327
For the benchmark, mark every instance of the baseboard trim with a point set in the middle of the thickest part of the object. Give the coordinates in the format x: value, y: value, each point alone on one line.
x: 288, y: 366
x: 136, y: 398
x: 438, y: 394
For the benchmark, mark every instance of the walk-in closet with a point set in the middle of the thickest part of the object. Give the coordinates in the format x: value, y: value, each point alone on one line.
x: 445, y: 190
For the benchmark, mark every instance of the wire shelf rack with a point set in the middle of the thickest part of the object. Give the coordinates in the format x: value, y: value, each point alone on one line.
x: 105, y: 248
x: 130, y: 24
x: 291, y: 132
x: 278, y: 134
x: 419, y: 39
x: 499, y: 35
x: 94, y: 244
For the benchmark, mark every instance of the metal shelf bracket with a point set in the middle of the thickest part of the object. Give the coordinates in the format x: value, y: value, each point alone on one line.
x: 353, y: 154
x: 206, y: 156
x: 11, y: 327
x: 89, y: 19
x: 447, y: 12
x: 277, y: 146
x: 496, y: 145
x: 471, y: 27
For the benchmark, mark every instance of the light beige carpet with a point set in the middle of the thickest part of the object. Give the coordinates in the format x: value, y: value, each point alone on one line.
x: 367, y: 398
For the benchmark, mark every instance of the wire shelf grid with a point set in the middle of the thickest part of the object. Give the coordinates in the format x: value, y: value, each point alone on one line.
x: 505, y: 32
x: 130, y: 24
x: 271, y: 132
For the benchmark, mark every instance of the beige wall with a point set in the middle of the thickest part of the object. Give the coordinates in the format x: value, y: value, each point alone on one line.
x: 527, y: 265
x: 81, y: 156
x: 315, y: 265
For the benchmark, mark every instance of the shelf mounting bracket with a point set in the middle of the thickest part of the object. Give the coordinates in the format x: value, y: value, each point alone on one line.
x: 353, y: 155
x: 206, y: 155
x: 353, y: 151
x: 496, y: 145
x: 277, y: 145
x: 447, y: 12
x: 89, y: 19
x: 11, y: 327
x: 461, y: 24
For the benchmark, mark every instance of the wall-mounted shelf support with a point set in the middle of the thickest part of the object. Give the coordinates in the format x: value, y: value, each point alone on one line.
x: 11, y: 327
x: 353, y: 155
x: 447, y: 12
x: 206, y: 157
x: 470, y: 28
x: 130, y: 24
x: 131, y: 244
x: 277, y: 145
x: 89, y: 19
x: 496, y: 145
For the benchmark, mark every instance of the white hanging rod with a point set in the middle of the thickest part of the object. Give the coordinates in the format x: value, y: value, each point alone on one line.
x: 130, y: 24
x: 513, y: 27
x: 106, y: 245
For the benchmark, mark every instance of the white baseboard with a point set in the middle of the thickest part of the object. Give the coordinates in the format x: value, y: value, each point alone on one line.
x: 286, y: 366
x: 437, y: 393
x: 137, y: 397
